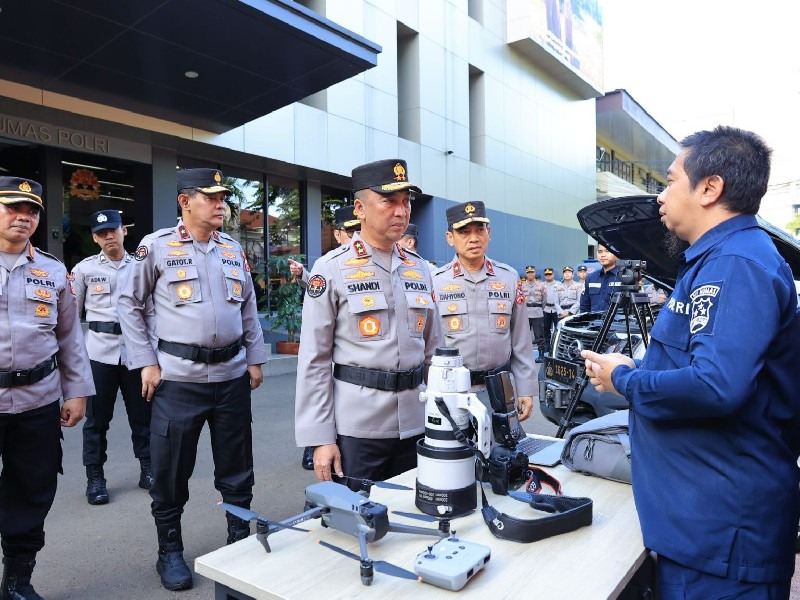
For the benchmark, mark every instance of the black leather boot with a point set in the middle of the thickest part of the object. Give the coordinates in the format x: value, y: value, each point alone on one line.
x: 175, y: 573
x: 17, y: 580
x: 146, y: 477
x: 96, y: 492
x: 238, y: 529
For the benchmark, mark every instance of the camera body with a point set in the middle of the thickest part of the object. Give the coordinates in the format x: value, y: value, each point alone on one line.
x: 505, y: 467
x: 630, y: 271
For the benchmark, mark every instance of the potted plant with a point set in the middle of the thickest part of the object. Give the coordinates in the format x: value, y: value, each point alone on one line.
x: 286, y: 302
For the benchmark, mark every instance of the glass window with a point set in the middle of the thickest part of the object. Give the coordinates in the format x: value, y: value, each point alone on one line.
x: 244, y: 222
x: 332, y: 199
x: 283, y: 201
x: 91, y: 183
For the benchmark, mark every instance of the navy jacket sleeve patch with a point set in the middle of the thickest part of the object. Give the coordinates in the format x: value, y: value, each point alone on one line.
x: 705, y: 303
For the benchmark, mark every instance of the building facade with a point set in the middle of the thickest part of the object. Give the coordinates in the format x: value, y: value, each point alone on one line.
x: 488, y: 100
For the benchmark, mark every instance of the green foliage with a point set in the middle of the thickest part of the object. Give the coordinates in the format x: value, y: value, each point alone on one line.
x: 286, y: 295
x: 793, y: 225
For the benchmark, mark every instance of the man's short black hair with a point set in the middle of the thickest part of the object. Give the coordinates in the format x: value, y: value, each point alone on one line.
x: 739, y: 157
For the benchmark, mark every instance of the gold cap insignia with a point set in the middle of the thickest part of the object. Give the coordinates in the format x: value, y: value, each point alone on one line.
x: 399, y: 172
x: 217, y: 177
x: 469, y: 209
x: 24, y: 187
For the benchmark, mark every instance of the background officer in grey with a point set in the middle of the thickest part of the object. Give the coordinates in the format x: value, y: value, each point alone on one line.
x: 368, y: 310
x: 97, y: 281
x: 483, y: 314
x: 549, y: 310
x: 42, y: 358
x: 534, y: 293
x: 568, y: 299
x: 347, y: 224
x: 209, y: 357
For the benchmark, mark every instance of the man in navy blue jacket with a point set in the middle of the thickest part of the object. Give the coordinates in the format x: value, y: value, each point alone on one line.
x: 600, y: 283
x: 715, y: 413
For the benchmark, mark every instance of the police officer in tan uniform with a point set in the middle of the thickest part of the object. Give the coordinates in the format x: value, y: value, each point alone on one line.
x: 551, y: 287
x: 568, y: 300
x: 347, y: 224
x: 209, y: 357
x: 97, y: 281
x: 42, y: 358
x: 534, y: 292
x: 483, y: 313
x: 367, y: 310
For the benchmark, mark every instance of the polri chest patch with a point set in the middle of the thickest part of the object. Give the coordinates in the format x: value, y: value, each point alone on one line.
x: 705, y: 302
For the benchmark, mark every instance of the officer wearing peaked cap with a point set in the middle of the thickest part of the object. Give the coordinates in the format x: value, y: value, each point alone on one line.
x: 209, y: 357
x: 368, y: 311
x: 97, y: 281
x: 568, y: 299
x: 42, y: 358
x: 551, y: 291
x: 534, y: 293
x: 482, y: 308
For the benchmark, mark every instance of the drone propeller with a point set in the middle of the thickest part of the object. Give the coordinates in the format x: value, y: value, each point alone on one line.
x: 367, y: 483
x: 248, y: 515
x: 381, y: 566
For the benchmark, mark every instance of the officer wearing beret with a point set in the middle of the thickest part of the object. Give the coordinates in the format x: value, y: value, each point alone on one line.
x: 551, y: 291
x: 481, y: 307
x: 534, y: 292
x: 347, y: 224
x: 209, y: 355
x: 569, y: 294
x: 97, y: 281
x: 368, y: 311
x: 42, y: 358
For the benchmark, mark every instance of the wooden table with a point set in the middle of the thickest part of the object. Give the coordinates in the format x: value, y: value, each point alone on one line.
x: 591, y: 562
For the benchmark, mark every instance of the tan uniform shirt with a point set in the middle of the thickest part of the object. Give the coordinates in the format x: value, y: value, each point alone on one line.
x: 534, y: 298
x: 97, y: 282
x: 550, y: 295
x: 39, y: 318
x: 568, y: 298
x: 485, y: 318
x: 202, y: 295
x: 360, y: 312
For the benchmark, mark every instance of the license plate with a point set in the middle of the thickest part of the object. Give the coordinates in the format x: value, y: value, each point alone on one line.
x: 560, y: 370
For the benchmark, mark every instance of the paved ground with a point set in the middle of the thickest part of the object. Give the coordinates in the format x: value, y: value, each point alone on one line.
x: 104, y: 552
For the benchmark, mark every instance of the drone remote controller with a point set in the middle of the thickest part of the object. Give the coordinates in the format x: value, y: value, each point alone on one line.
x: 451, y: 562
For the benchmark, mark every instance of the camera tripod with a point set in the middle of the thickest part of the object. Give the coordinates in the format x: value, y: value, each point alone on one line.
x: 628, y: 299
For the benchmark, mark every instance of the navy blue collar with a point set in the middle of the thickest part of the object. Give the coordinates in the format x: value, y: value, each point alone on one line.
x: 713, y: 236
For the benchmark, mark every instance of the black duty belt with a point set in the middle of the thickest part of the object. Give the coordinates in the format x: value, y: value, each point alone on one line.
x: 28, y: 376
x: 550, y: 304
x: 478, y: 377
x: 388, y: 381
x: 200, y: 353
x: 105, y: 327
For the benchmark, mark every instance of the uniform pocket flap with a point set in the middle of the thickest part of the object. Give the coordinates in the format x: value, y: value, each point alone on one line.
x: 359, y: 303
x: 419, y: 300
x: 40, y: 293
x: 181, y: 274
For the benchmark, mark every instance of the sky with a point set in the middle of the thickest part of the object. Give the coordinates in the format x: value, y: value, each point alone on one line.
x: 695, y: 64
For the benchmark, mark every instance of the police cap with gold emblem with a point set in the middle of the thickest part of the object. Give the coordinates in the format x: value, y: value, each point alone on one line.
x: 207, y: 181
x: 14, y: 190
x: 530, y: 269
x: 383, y: 176
x: 346, y: 218
x: 468, y: 212
x: 582, y: 268
x: 105, y: 219
x: 568, y: 268
x: 548, y: 271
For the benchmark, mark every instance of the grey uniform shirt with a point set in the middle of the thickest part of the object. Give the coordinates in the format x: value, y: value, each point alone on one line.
x: 202, y: 296
x: 360, y: 312
x: 39, y: 318
x: 483, y: 315
x: 550, y: 295
x: 534, y: 298
x: 97, y: 281
x: 568, y: 298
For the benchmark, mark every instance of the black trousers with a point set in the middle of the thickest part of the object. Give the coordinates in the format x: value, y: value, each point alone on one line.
x: 376, y: 459
x: 550, y: 320
x: 100, y: 410
x: 537, y: 331
x: 30, y: 446
x: 179, y: 412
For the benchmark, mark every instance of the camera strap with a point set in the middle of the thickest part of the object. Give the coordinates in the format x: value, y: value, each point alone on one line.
x: 568, y: 514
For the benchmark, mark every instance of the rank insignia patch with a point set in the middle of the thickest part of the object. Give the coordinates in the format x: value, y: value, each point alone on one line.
x: 369, y: 326
x: 456, y: 269
x: 141, y: 253
x: 184, y: 291
x: 316, y: 286
x: 183, y: 232
x: 42, y: 310
x: 359, y: 248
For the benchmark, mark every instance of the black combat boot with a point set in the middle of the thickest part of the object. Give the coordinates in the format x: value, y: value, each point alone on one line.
x: 96, y: 492
x: 175, y: 573
x: 17, y: 580
x: 146, y: 478
x: 238, y: 529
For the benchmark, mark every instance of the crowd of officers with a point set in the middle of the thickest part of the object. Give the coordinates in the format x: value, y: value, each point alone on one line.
x: 373, y: 314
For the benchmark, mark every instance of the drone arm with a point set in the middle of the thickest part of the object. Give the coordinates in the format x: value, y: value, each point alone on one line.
x: 398, y: 528
x: 264, y: 528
